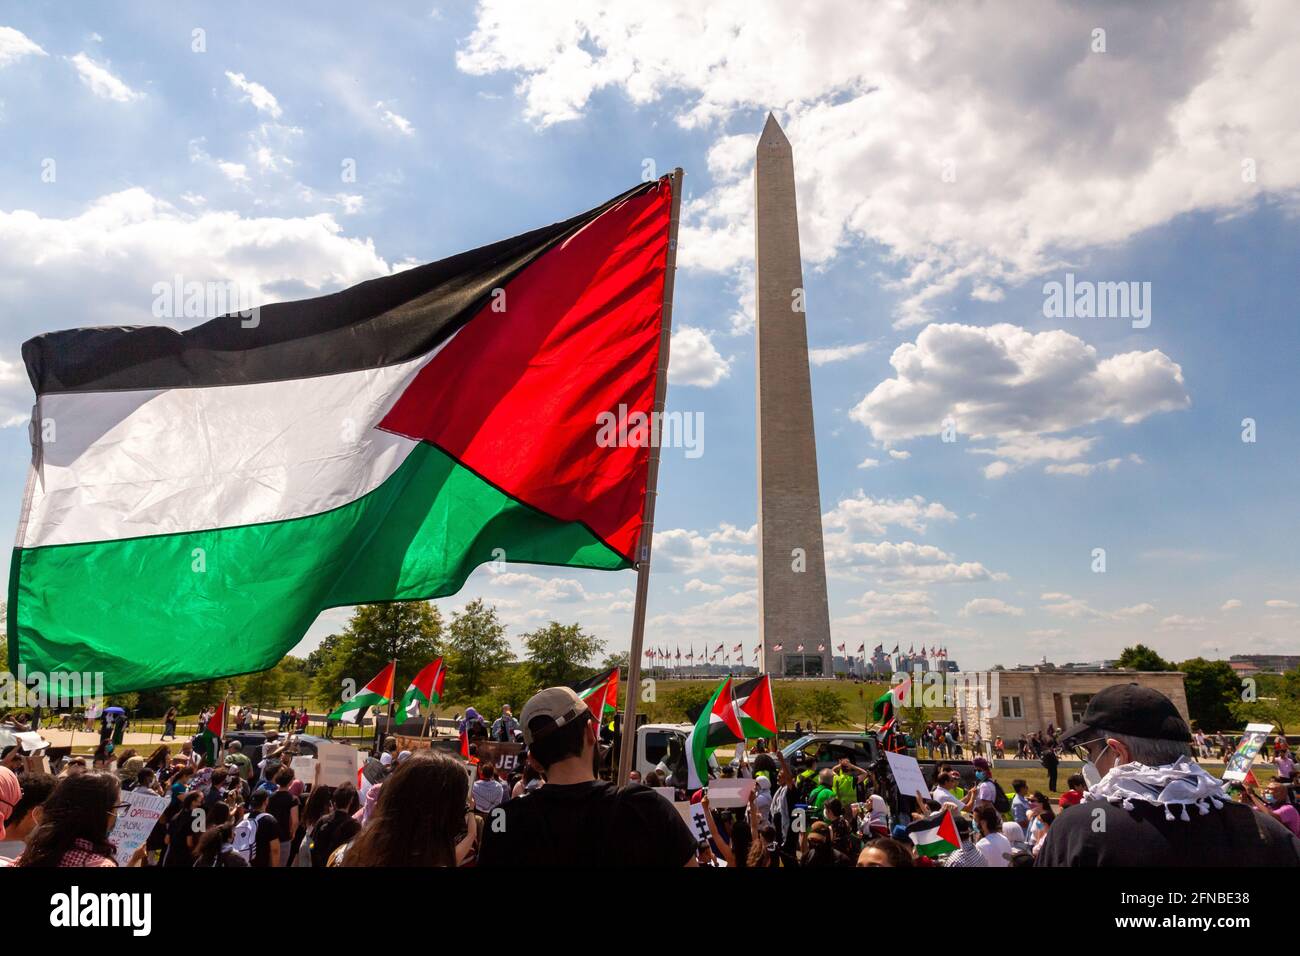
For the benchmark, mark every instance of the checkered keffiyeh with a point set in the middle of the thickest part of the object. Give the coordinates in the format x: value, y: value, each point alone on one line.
x: 83, y: 854
x: 968, y: 855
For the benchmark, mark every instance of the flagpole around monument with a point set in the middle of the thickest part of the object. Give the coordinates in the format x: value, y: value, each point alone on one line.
x: 628, y: 741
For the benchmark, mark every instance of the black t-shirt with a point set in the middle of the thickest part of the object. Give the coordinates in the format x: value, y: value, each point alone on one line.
x: 330, y: 833
x: 268, y: 829
x: 1233, y: 835
x: 588, y: 824
x: 179, y: 832
x: 281, y: 807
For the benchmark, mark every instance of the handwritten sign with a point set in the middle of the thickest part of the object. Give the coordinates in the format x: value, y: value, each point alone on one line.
x: 907, y: 774
x: 135, y: 821
x: 304, y: 769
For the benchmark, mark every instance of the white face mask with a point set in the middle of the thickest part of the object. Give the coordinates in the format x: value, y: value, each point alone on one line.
x: 1091, y: 775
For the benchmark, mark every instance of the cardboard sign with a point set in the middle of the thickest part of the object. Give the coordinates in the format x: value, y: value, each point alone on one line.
x: 693, y: 814
x: 304, y: 769
x: 729, y: 793
x: 907, y: 775
x: 337, y: 764
x: 135, y: 821
x: 1252, y: 740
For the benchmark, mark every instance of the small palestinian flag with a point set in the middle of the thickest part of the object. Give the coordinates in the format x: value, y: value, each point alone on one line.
x: 375, y: 694
x: 600, y: 693
x: 938, y: 837
x: 425, y: 690
x: 888, y: 703
x: 213, y: 490
x: 210, y: 738
x: 753, y: 701
x: 717, y: 724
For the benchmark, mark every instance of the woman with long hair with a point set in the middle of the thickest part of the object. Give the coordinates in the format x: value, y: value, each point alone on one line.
x: 420, y: 817
x: 158, y: 759
x: 75, y: 823
x: 319, y: 803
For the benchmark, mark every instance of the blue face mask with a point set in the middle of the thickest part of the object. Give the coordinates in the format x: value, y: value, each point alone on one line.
x: 1269, y: 798
x: 980, y: 775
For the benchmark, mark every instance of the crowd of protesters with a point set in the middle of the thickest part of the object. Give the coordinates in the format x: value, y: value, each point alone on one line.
x: 433, y: 808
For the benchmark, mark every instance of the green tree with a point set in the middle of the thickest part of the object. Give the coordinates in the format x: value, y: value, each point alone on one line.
x: 558, y: 653
x: 681, y: 702
x: 514, y: 685
x: 788, y: 703
x: 1212, y: 689
x: 477, y: 649
x: 621, y: 660
x: 1142, y: 658
x: 825, y: 708
x: 408, y: 631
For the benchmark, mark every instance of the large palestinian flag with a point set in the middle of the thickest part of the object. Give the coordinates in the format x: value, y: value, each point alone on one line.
x: 754, y: 705
x: 375, y: 694
x: 211, y: 491
x: 716, y: 725
x: 210, y: 736
x: 600, y: 693
x: 425, y: 690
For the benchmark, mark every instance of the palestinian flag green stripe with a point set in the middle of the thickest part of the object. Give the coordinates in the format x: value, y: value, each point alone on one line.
x: 240, y: 597
x: 351, y: 707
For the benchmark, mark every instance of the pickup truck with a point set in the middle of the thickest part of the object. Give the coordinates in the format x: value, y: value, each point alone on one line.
x: 663, y: 747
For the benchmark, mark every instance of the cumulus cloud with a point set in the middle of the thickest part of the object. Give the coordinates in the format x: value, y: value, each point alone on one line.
x: 866, y: 463
x: 124, y: 243
x: 991, y: 607
x: 863, y: 514
x: 1279, y: 604
x: 100, y: 80
x: 1231, y: 604
x: 906, y: 97
x: 1019, y: 388
x: 694, y: 360
x: 14, y: 45
x: 263, y: 100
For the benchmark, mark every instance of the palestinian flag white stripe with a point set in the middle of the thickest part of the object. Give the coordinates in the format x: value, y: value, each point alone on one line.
x: 124, y: 464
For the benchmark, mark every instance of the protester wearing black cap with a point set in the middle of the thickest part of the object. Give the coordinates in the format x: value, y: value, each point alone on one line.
x: 575, y: 819
x: 1148, y: 803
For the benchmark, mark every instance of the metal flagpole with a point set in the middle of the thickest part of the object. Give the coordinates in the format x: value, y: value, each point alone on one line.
x: 651, y: 492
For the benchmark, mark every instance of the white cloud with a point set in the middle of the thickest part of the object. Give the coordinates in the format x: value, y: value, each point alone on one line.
x: 837, y: 353
x: 1231, y: 604
x: 394, y: 120
x: 899, y: 455
x: 869, y: 463
x: 1136, y: 610
x: 991, y: 607
x: 703, y: 587
x: 693, y: 359
x: 102, y: 82
x: 1103, y: 145
x: 891, y: 606
x: 257, y: 94
x: 863, y: 514
x: 1084, y: 468
x: 1018, y: 387
x: 1181, y: 622
x: 235, y: 172
x: 14, y: 45
x: 1279, y: 604
x: 125, y: 242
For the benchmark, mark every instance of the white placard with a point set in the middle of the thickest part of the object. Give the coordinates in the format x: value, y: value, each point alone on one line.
x: 693, y: 814
x: 668, y: 793
x: 338, y: 764
x: 135, y: 821
x: 907, y: 775
x: 304, y: 769
x: 725, y: 793
x: 31, y: 741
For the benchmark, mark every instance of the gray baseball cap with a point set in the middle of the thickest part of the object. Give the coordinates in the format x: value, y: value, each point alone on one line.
x: 561, y: 705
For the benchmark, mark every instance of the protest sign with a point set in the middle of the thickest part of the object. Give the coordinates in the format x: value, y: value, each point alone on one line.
x: 907, y: 774
x: 668, y: 793
x: 304, y: 769
x: 135, y: 821
x: 1247, y: 749
x: 338, y: 764
x: 693, y: 815
x: 729, y: 793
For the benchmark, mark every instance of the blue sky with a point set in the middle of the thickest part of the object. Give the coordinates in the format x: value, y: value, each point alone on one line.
x: 940, y: 187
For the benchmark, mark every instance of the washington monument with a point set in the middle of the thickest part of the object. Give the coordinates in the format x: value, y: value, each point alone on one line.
x: 791, y: 562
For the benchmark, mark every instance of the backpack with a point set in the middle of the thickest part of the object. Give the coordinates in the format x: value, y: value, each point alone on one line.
x: 1000, y: 802
x: 245, y: 837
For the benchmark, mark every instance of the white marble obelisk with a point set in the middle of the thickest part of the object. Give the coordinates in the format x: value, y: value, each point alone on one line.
x: 791, y: 561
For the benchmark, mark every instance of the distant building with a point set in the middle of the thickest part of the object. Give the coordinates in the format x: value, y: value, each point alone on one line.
x: 1027, y: 700
x: 1263, y: 663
